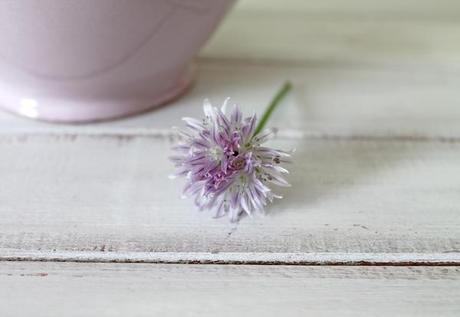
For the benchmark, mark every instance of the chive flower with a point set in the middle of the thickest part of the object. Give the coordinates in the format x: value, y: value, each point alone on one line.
x: 227, y: 168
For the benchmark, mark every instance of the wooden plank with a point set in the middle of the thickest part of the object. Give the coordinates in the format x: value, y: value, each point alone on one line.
x: 50, y: 289
x: 391, y: 9
x: 327, y: 100
x: 80, y: 193
x: 365, y: 37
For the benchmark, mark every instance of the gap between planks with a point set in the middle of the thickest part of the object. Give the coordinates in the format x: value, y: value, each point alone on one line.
x: 241, y: 258
x: 285, y: 134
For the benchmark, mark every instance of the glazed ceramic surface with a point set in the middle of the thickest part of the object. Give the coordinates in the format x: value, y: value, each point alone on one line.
x: 65, y: 60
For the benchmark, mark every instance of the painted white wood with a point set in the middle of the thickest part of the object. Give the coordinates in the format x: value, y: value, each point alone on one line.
x: 342, y: 39
x: 69, y: 289
x: 327, y: 100
x: 375, y: 120
x: 111, y: 193
x: 390, y: 9
x: 332, y: 31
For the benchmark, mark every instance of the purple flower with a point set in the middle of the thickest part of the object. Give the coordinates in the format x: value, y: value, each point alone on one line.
x: 226, y: 167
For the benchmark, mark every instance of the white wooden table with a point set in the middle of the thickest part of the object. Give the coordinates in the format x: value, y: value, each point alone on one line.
x: 91, y: 226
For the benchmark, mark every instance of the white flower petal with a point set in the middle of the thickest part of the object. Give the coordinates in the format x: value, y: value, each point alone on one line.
x: 207, y: 108
x: 224, y: 105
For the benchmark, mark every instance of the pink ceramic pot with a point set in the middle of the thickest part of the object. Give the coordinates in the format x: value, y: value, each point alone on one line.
x: 83, y: 60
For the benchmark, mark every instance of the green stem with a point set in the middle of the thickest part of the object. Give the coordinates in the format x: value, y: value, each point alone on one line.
x: 271, y: 107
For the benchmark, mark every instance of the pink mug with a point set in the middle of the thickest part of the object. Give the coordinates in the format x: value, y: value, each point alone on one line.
x: 76, y: 61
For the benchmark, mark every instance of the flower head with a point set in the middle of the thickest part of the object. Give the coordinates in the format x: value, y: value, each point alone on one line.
x: 227, y: 168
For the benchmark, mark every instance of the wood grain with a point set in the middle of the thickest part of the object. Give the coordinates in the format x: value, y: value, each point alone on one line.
x: 328, y: 100
x: 50, y: 289
x: 317, y: 33
x: 391, y: 9
x: 374, y: 117
x: 107, y: 193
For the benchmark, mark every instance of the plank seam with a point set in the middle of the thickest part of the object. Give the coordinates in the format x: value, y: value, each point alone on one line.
x: 129, y: 134
x: 238, y: 258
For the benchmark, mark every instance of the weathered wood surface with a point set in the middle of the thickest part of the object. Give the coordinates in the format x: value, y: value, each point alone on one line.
x: 339, y: 40
x: 423, y: 33
x: 111, y: 193
x: 392, y: 9
x: 330, y: 100
x: 375, y: 119
x: 69, y: 289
